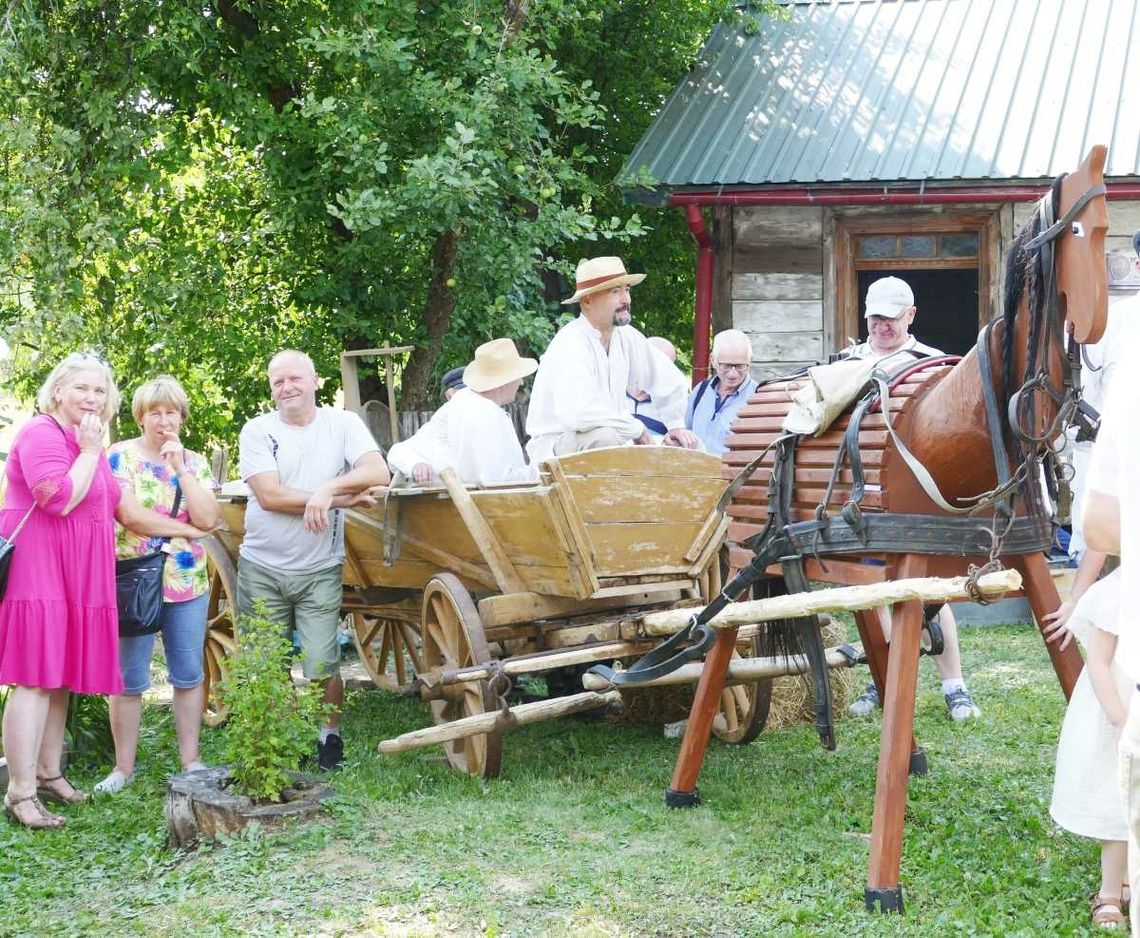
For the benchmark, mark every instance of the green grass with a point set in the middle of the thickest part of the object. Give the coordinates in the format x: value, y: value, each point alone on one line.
x: 574, y: 837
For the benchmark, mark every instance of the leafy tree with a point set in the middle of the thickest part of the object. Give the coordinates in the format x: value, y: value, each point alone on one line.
x: 194, y: 186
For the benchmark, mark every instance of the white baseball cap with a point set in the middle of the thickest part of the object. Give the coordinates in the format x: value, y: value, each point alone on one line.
x: 890, y: 297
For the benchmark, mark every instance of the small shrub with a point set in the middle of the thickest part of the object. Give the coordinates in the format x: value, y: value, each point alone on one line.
x: 272, y: 724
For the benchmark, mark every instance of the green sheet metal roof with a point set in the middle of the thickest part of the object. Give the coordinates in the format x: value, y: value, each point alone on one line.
x: 869, y: 91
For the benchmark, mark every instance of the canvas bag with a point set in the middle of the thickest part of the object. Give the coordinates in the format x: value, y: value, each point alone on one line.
x: 829, y: 391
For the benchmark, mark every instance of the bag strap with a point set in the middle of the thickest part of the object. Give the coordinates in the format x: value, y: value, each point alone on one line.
x: 174, y: 507
x: 24, y: 520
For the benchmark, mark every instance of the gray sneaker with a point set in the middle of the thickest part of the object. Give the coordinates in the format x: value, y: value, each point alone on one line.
x: 961, y: 706
x: 864, y: 705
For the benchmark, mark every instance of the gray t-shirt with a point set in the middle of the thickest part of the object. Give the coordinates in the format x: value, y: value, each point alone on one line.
x: 303, y: 458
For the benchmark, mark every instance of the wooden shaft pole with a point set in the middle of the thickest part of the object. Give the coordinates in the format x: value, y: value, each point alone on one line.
x: 532, y: 664
x: 863, y: 596
x: 389, y: 382
x: 496, y: 558
x: 740, y: 671
x: 497, y: 721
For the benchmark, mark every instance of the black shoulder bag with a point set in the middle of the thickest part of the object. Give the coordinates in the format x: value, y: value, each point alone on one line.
x: 7, y: 546
x: 138, y: 586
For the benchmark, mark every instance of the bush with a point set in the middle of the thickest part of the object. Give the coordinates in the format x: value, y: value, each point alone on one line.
x: 272, y: 724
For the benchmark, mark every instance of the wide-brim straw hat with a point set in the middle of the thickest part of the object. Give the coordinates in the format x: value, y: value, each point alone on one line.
x: 595, y: 274
x: 497, y: 363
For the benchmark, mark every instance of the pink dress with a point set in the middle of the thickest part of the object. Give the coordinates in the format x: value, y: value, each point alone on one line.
x: 59, y: 626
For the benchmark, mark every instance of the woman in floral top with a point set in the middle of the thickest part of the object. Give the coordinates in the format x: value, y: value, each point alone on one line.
x: 150, y: 466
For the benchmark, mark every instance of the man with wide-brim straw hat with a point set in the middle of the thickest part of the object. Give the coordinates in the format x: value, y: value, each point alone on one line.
x: 579, y: 396
x: 471, y: 433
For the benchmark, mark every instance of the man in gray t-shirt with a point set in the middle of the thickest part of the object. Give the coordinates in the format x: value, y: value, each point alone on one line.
x: 304, y: 465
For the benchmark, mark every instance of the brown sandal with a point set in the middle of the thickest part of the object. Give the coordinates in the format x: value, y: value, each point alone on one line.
x: 44, y: 820
x: 46, y: 791
x: 1107, y: 912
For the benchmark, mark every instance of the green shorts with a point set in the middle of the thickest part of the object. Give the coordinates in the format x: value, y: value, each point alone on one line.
x: 307, y: 602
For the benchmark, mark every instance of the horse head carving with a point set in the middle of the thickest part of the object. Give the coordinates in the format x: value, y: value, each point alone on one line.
x: 1083, y: 299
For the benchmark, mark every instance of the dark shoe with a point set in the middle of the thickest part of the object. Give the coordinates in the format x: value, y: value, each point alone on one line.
x: 330, y: 753
x: 60, y: 790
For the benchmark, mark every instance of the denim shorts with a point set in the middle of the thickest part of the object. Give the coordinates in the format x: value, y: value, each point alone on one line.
x: 183, y: 640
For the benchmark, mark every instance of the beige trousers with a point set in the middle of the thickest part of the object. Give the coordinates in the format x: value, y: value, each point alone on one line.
x: 577, y: 440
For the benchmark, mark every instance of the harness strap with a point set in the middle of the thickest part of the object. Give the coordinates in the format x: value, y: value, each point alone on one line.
x: 993, y: 418
x: 1065, y: 220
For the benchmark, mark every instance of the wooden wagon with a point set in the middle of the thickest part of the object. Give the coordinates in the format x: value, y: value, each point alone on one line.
x: 451, y: 588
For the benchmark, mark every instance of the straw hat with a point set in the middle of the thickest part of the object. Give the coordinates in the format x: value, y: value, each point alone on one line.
x: 595, y: 274
x: 497, y: 363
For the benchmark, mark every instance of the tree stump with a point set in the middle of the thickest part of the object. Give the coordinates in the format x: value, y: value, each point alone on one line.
x: 201, y: 806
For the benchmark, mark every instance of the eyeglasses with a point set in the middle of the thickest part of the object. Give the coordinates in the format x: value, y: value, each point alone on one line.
x: 729, y: 366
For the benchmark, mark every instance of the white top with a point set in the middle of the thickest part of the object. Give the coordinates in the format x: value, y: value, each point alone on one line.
x: 1114, y: 468
x: 1102, y: 358
x: 899, y: 358
x: 470, y: 434
x: 580, y: 387
x: 303, y: 458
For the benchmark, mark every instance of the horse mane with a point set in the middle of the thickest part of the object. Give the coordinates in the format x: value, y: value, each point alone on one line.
x: 1024, y: 273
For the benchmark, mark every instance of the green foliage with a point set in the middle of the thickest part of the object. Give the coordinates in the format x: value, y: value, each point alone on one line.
x: 272, y: 724
x: 193, y: 186
x: 89, y: 730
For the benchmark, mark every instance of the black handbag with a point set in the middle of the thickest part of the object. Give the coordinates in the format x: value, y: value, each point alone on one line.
x: 138, y: 587
x: 7, y: 547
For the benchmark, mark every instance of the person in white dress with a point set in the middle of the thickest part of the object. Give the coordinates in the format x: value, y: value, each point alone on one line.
x: 1086, y: 795
x: 471, y: 433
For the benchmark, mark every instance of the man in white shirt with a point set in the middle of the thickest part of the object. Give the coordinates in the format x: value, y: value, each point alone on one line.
x: 1111, y: 523
x: 579, y: 396
x: 304, y: 465
x: 471, y: 433
x: 890, y: 312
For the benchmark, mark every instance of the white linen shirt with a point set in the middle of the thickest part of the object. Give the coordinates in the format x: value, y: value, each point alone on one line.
x: 899, y: 358
x: 470, y: 434
x: 581, y: 387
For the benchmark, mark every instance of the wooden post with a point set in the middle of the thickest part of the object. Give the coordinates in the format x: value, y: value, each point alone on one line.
x: 390, y: 384
x: 682, y: 790
x: 496, y: 558
x: 883, y: 889
x: 350, y: 379
x: 874, y: 639
x: 1043, y: 599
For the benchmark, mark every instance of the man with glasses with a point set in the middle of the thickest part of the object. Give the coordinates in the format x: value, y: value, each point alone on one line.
x: 715, y: 402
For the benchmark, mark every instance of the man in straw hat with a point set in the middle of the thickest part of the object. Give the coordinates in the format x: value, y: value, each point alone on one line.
x: 579, y: 397
x: 471, y: 433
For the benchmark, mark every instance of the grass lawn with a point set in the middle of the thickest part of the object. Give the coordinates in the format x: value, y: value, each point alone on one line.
x: 574, y: 838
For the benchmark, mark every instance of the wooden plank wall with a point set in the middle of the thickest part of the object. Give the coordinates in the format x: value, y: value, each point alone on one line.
x: 777, y: 285
x: 775, y: 277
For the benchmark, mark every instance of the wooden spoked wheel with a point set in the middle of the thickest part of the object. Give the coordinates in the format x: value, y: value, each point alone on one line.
x: 388, y: 642
x: 220, y: 637
x: 743, y: 710
x: 453, y: 638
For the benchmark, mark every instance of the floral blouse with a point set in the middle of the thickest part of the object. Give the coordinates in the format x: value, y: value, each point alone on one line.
x: 153, y: 485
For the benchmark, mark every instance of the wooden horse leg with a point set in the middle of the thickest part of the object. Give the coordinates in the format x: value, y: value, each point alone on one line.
x: 873, y: 636
x: 682, y: 791
x: 1043, y: 598
x: 883, y: 889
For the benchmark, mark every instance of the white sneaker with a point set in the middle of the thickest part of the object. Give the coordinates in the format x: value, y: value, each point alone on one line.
x: 961, y: 706
x: 114, y: 783
x: 864, y: 705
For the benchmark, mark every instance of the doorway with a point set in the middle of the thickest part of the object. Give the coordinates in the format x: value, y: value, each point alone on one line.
x: 947, y: 302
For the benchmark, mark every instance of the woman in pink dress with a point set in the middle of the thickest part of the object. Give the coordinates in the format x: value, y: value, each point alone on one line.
x: 58, y: 618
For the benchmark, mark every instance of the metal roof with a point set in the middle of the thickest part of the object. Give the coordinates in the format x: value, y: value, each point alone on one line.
x: 904, y: 90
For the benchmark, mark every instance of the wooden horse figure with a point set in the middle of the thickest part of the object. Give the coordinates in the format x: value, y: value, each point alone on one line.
x: 919, y: 448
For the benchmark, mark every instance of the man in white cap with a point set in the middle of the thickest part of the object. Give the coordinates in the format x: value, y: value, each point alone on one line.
x: 579, y: 396
x: 471, y: 433
x: 890, y: 311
